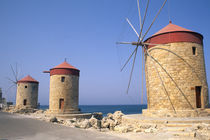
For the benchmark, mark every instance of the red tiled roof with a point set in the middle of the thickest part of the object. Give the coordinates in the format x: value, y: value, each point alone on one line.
x: 64, y: 65
x: 171, y: 28
x: 28, y: 78
x: 173, y: 33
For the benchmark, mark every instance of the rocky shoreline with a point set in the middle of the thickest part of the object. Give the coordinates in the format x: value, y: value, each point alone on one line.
x: 96, y: 121
x: 114, y: 124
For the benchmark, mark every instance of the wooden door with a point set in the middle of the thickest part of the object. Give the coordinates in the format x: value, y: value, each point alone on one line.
x: 198, y: 96
x: 61, y: 104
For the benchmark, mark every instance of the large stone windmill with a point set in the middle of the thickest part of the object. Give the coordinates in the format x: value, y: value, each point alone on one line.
x: 175, y: 74
x: 174, y: 70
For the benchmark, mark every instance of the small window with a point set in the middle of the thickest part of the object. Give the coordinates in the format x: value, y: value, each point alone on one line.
x: 62, y: 79
x: 194, y: 50
x: 25, y: 86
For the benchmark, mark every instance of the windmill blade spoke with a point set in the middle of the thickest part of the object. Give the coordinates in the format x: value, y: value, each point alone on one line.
x: 129, y: 59
x: 7, y: 90
x: 154, y: 19
x: 157, y: 44
x: 139, y: 11
x: 132, y: 43
x: 123, y: 42
x: 16, y: 72
x: 142, y: 26
x: 132, y: 70
x: 13, y: 73
x: 132, y: 27
x: 10, y: 80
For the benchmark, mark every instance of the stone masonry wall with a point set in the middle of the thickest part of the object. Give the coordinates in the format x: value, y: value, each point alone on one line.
x: 28, y: 91
x: 186, y: 71
x: 67, y: 90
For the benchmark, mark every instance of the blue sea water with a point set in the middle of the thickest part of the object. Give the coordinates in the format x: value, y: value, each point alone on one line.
x: 126, y: 109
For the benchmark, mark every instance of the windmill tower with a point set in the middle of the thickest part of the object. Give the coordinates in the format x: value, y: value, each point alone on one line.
x: 64, y: 89
x: 174, y: 68
x: 26, y: 90
x: 175, y: 74
x: 27, y: 93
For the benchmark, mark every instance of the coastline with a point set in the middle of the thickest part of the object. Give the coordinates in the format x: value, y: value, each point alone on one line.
x: 105, y: 109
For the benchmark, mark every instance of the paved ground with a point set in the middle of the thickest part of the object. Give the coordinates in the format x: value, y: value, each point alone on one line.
x: 141, y: 119
x: 14, y: 127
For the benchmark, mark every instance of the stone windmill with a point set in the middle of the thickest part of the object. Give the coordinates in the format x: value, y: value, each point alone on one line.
x: 27, y: 93
x: 64, y: 89
x: 174, y: 70
x: 26, y: 90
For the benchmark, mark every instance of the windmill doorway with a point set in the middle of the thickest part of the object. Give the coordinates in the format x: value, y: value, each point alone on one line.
x: 198, y: 96
x: 24, y: 102
x: 61, y: 104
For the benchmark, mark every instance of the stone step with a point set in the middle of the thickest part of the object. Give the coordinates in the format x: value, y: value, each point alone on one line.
x: 174, y: 129
x: 179, y: 125
x: 184, y: 134
x: 203, y: 114
x: 204, y: 120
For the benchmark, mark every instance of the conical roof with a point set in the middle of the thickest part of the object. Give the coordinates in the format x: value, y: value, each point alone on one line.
x: 171, y: 28
x: 173, y: 33
x: 64, y: 65
x: 64, y: 69
x: 29, y: 79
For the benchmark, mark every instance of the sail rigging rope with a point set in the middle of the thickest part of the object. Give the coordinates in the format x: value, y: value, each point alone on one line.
x: 142, y: 76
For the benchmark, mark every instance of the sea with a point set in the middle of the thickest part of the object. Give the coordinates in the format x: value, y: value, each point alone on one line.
x: 105, y: 109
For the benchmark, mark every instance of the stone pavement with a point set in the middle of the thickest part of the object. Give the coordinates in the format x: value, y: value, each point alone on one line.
x: 14, y: 127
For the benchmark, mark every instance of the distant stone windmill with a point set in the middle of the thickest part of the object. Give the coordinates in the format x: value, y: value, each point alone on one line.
x: 27, y: 93
x: 174, y: 70
x: 26, y: 90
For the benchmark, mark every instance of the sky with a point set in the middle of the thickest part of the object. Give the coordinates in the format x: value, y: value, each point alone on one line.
x: 39, y: 34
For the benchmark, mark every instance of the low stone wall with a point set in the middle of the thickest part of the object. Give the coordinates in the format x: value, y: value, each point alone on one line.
x: 66, y: 111
x: 97, y: 115
x: 177, y: 113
